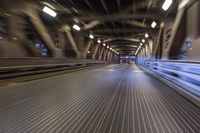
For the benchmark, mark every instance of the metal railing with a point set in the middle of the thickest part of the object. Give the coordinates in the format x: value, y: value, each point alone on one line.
x: 185, y: 74
x: 11, y: 67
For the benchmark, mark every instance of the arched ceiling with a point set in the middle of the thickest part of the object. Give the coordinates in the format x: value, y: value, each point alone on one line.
x: 119, y: 23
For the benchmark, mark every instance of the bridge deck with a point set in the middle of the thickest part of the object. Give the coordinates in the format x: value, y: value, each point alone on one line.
x: 111, y: 99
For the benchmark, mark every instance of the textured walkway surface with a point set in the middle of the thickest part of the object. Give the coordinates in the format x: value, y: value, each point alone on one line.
x: 112, y: 99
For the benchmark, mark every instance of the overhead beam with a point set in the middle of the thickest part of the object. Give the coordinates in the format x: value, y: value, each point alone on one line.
x: 125, y: 50
x: 124, y: 43
x: 91, y: 25
x: 122, y: 16
x: 99, y: 31
x: 137, y: 23
x: 129, y: 46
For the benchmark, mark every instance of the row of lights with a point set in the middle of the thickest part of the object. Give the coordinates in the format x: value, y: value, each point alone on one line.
x: 76, y: 27
x: 108, y: 47
x: 141, y: 43
x: 99, y: 41
x: 52, y: 13
x: 165, y: 7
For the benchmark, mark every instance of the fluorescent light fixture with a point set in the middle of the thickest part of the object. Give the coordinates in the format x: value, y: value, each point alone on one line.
x: 146, y: 35
x: 104, y: 44
x: 49, y: 11
x: 140, y: 44
x: 166, y: 4
x: 153, y: 25
x: 143, y: 40
x: 76, y: 27
x: 107, y: 46
x: 91, y: 36
x: 99, y: 41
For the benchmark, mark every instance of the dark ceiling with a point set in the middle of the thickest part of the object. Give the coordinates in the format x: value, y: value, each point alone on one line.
x: 118, y: 20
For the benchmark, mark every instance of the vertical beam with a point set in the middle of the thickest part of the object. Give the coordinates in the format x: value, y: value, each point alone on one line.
x: 40, y: 27
x: 88, y: 46
x: 20, y: 48
x: 101, y: 53
x: 193, y: 32
x: 108, y: 55
x: 61, y: 40
x: 95, y: 52
x: 176, y: 26
x: 105, y: 54
x: 71, y: 40
x: 84, y: 51
x: 158, y: 42
x: 78, y: 45
x: 111, y: 56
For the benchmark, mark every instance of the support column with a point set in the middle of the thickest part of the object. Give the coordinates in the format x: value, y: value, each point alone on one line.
x: 177, y: 29
x: 111, y: 56
x: 40, y: 27
x: 16, y: 44
x: 95, y: 52
x: 108, y: 55
x: 101, y: 53
x: 71, y: 39
x: 78, y: 45
x: 105, y: 54
x: 83, y: 52
x: 61, y: 40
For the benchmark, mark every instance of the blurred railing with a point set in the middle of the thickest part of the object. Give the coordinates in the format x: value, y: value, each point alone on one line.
x: 11, y: 67
x: 185, y: 74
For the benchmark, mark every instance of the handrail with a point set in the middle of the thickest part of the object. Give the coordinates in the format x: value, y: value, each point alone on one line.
x: 178, y: 61
x: 184, y: 74
x: 20, y: 63
x: 15, y: 67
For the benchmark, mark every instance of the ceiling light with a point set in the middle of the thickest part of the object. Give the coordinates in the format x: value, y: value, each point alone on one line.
x: 107, y: 46
x: 153, y: 25
x: 91, y: 36
x: 140, y: 44
x: 76, y: 27
x: 88, y: 52
x: 110, y: 48
x: 49, y: 11
x: 99, y: 41
x: 146, y: 35
x: 143, y: 40
x: 104, y: 44
x: 166, y: 4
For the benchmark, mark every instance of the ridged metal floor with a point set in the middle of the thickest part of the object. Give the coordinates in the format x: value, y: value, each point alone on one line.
x: 112, y: 99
